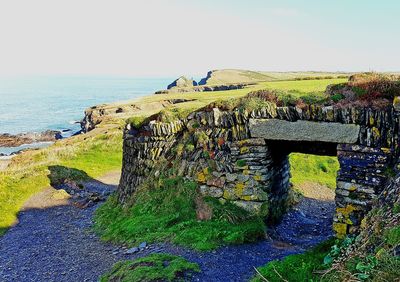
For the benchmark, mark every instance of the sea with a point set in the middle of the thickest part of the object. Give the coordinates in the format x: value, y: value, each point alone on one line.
x: 39, y: 103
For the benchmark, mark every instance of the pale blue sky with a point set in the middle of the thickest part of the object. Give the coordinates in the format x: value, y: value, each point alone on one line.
x: 171, y: 37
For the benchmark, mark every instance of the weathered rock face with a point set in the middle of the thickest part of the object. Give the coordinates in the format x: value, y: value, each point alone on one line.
x: 237, y: 156
x: 182, y: 82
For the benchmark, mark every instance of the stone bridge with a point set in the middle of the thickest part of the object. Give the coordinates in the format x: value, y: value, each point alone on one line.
x: 242, y: 156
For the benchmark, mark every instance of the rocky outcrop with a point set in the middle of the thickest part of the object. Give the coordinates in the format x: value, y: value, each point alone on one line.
x: 204, y: 80
x: 9, y: 140
x: 182, y: 82
x: 204, y: 88
x: 107, y: 113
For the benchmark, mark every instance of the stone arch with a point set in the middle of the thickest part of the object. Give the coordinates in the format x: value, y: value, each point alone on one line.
x: 248, y: 154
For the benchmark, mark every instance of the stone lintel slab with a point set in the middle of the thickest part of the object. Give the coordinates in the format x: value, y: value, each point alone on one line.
x: 302, y: 130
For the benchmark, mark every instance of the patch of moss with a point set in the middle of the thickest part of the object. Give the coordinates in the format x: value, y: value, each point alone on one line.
x: 396, y: 208
x: 155, y: 267
x: 164, y: 209
x: 137, y: 122
x: 299, y: 267
x: 337, y: 97
x: 241, y: 163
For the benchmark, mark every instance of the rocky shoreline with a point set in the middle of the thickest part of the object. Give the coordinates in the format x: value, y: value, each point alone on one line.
x: 9, y: 140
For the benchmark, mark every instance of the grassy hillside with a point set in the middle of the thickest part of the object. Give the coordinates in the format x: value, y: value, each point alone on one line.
x: 79, y: 158
x: 312, y: 168
x: 234, y: 76
x: 152, y: 104
x: 100, y: 151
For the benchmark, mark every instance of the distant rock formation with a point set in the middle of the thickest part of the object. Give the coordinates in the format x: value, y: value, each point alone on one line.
x: 203, y: 81
x: 9, y: 140
x: 182, y: 82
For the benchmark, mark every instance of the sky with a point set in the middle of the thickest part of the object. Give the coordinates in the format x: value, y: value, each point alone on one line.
x: 174, y: 37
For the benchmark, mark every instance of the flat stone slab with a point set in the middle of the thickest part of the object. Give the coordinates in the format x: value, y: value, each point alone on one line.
x: 302, y: 130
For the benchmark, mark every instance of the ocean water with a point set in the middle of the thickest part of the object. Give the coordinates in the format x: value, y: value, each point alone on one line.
x: 38, y: 103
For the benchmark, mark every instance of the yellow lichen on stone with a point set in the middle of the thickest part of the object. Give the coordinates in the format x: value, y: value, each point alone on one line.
x: 352, y: 188
x: 244, y: 150
x: 239, y: 189
x: 385, y: 150
x: 396, y: 103
x: 371, y: 120
x: 340, y: 230
x: 375, y: 132
x: 330, y: 115
x: 257, y: 177
x: 345, y: 212
x: 246, y: 172
x: 201, y: 177
x: 363, y: 224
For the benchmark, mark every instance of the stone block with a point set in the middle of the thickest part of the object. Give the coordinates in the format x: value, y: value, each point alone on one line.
x: 274, y: 129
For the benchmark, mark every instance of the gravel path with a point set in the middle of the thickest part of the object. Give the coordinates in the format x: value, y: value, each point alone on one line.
x: 53, y: 242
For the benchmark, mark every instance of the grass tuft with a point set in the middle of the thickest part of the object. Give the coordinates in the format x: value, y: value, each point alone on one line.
x: 155, y: 267
x: 298, y: 267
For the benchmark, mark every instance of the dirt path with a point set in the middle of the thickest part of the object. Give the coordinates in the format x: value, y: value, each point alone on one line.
x: 53, y: 242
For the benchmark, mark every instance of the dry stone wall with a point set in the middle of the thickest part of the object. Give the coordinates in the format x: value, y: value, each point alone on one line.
x: 220, y: 151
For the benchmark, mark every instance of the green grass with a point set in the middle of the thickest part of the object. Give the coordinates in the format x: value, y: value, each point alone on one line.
x: 233, y: 76
x: 312, y: 168
x: 313, y: 89
x: 155, y: 267
x: 299, y: 267
x: 392, y: 236
x: 165, y: 210
x: 303, y: 87
x: 79, y: 158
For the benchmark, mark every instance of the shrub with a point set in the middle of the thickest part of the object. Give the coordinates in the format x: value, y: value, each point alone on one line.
x: 266, y: 95
x: 373, y: 89
x: 337, y: 97
x: 252, y: 103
